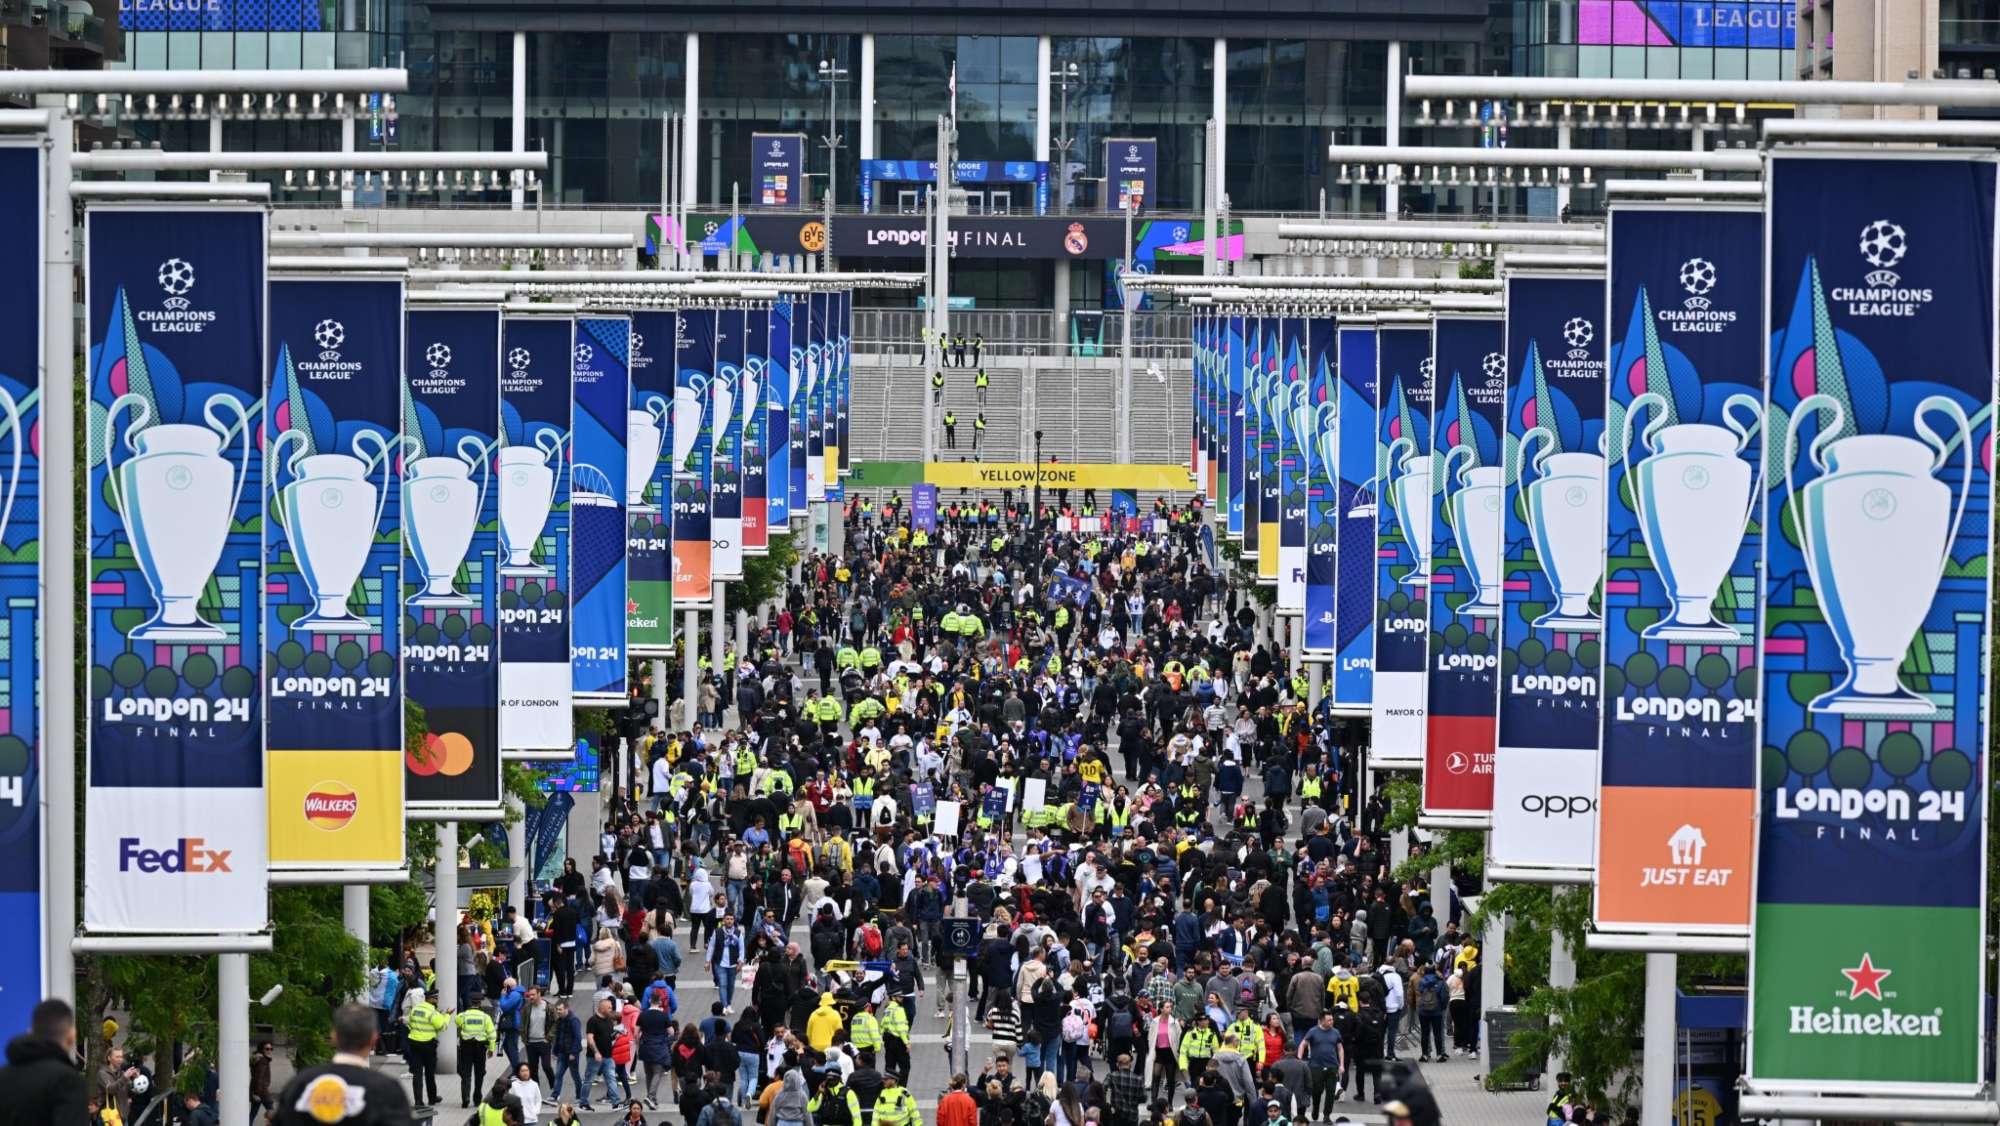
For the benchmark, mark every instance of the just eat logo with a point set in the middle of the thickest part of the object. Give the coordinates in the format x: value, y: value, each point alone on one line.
x: 190, y: 855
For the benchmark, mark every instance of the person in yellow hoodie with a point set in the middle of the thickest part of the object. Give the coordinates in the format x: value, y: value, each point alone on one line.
x: 823, y: 1023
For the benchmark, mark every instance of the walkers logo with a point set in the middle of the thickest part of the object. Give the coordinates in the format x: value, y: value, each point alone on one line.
x: 1883, y: 245
x: 189, y: 855
x: 331, y: 805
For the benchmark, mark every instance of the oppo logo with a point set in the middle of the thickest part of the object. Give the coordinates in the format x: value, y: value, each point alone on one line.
x: 1559, y: 805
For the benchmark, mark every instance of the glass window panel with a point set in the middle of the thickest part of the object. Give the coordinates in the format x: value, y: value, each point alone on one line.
x: 1730, y: 62
x: 1663, y: 62
x: 1768, y: 64
x: 1697, y: 62
x: 318, y: 50
x: 250, y: 50
x: 1593, y: 62
x: 1628, y: 62
x: 285, y: 51
x: 184, y: 50
x: 1017, y: 59
x: 218, y: 50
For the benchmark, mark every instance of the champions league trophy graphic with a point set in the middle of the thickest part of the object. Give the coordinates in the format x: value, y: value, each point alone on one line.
x: 330, y: 512
x: 645, y: 438
x: 1876, y: 529
x: 441, y: 513
x: 527, y: 491
x: 1410, y: 490
x: 1566, y: 518
x: 688, y: 403
x: 1693, y: 494
x: 1475, y: 520
x: 176, y: 497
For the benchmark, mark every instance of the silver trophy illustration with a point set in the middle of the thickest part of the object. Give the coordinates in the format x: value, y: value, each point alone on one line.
x: 1475, y: 520
x: 645, y: 437
x: 330, y: 512
x: 441, y: 511
x: 527, y: 492
x: 12, y: 411
x: 1410, y: 490
x: 1876, y: 529
x: 689, y: 399
x: 1693, y: 494
x: 1566, y: 521
x: 177, y: 495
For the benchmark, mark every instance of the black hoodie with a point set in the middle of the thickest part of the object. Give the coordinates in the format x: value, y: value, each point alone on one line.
x: 41, y: 1085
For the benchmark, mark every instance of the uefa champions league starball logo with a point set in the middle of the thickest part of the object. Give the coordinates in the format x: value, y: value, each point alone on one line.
x: 1698, y: 278
x: 1426, y: 367
x: 638, y: 342
x: 1494, y: 365
x: 583, y: 353
x: 1883, y: 245
x: 329, y: 334
x: 519, y: 358
x: 176, y: 277
x: 1578, y: 333
x: 438, y: 355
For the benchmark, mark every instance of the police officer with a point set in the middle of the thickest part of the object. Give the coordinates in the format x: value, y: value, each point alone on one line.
x: 425, y: 1022
x: 978, y: 429
x: 950, y: 430
x: 476, y: 1035
x: 979, y: 383
x: 937, y: 386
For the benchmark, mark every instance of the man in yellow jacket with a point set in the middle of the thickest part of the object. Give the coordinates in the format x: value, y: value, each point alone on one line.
x: 823, y: 1024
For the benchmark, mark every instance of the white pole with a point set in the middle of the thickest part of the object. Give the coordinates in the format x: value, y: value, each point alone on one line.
x: 232, y: 1042
x: 215, y: 141
x: 347, y: 145
x: 1562, y: 186
x: 867, y: 141
x: 1656, y: 1099
x: 1315, y: 684
x: 690, y: 661
x: 445, y: 896
x: 690, y: 120
x: 58, y: 542
x: 1562, y: 975
x: 354, y: 913
x: 660, y: 693
x: 718, y: 633
x: 1125, y: 299
x: 1492, y: 983
x: 1210, y: 197
x: 1044, y: 59
x: 517, y: 855
x: 520, y: 108
x: 1218, y: 98
x: 1393, y: 127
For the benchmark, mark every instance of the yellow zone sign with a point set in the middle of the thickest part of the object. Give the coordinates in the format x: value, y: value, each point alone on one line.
x: 1081, y: 475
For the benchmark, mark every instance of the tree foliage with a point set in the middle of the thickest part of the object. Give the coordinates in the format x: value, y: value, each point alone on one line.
x: 764, y: 577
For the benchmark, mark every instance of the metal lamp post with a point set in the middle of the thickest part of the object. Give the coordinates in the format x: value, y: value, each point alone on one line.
x: 1035, y: 505
x: 1064, y: 76
x: 833, y: 74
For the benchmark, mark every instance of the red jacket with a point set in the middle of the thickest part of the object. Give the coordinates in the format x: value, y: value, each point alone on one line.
x: 957, y: 1109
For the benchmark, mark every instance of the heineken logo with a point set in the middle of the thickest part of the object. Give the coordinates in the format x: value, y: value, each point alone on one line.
x: 1865, y: 980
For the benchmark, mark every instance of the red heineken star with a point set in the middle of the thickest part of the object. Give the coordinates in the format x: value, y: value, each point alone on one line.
x: 631, y: 606
x: 1865, y: 978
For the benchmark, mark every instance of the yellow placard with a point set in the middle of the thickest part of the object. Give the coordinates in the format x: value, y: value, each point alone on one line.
x: 1080, y: 475
x: 335, y: 809
x: 1267, y: 553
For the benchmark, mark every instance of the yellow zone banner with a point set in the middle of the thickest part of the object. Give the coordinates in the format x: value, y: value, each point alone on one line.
x: 1081, y: 475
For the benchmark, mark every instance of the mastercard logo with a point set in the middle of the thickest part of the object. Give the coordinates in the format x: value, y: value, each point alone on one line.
x: 447, y: 753
x: 330, y: 806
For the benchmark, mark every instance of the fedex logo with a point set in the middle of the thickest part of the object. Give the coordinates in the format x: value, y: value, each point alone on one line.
x: 190, y: 855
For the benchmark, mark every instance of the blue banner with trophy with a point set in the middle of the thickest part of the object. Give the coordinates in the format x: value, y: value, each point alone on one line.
x: 1294, y: 425
x: 1317, y: 423
x: 816, y: 306
x: 603, y: 465
x: 1868, y: 939
x: 756, y: 412
x: 1402, y: 544
x: 451, y: 579
x: 1683, y: 538
x: 1552, y: 556
x: 726, y: 467
x: 333, y: 544
x: 535, y: 534
x: 842, y: 453
x: 649, y: 482
x: 694, y: 447
x: 23, y: 947
x: 176, y: 819
x: 1360, y: 495
x: 1235, y: 352
x: 788, y: 418
x: 1463, y: 661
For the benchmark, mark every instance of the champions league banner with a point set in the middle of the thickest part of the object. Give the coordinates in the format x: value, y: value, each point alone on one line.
x: 1319, y: 432
x: 22, y: 945
x: 693, y: 446
x: 1868, y: 943
x: 1197, y: 435
x: 176, y: 809
x: 786, y: 473
x: 333, y: 547
x: 451, y: 570
x: 1294, y: 424
x: 1684, y: 533
x: 725, y: 396
x: 1552, y: 470
x: 1358, y: 498
x: 1463, y: 655
x: 1402, y: 557
x: 536, y: 535
x: 649, y: 483
x: 756, y: 427
x: 608, y: 467
x: 1252, y: 446
x: 816, y: 376
x: 843, y: 453
x: 1270, y: 390
x: 1232, y: 458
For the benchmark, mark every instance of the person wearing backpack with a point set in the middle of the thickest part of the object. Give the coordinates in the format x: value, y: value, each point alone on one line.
x: 1371, y: 1027
x: 1433, y: 997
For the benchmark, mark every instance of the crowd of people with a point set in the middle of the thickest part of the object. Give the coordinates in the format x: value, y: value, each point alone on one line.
x: 1068, y: 731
